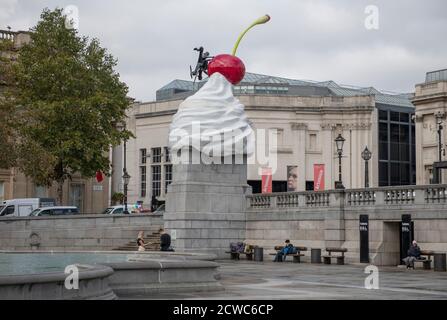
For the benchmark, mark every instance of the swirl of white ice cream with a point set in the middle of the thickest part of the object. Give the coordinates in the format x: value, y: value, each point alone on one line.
x: 212, y: 119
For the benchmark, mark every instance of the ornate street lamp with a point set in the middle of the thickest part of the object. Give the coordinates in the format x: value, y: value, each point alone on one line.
x: 339, y: 141
x: 126, y: 178
x: 439, y: 116
x: 366, y: 155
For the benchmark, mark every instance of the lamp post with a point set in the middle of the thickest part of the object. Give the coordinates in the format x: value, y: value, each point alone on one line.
x: 366, y: 155
x: 126, y: 177
x: 339, y: 141
x: 439, y: 116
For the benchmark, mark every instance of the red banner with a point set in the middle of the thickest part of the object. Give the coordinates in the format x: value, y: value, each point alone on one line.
x: 318, y: 177
x: 266, y: 180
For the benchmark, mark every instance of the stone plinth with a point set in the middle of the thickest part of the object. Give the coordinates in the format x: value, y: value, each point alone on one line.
x: 205, y: 206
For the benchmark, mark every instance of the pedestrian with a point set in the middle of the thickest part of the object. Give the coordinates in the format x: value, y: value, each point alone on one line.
x: 414, y: 253
x: 140, y: 242
x: 154, y: 203
x: 165, y: 241
x: 287, y: 249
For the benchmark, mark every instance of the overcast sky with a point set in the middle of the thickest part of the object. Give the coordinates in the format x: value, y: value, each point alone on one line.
x: 306, y: 39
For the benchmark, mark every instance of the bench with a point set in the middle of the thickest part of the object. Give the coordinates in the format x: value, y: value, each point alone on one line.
x: 296, y: 256
x: 426, y: 262
x: 340, y: 258
x: 236, y: 255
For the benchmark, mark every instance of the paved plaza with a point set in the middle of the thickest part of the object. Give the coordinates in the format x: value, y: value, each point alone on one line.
x: 283, y: 281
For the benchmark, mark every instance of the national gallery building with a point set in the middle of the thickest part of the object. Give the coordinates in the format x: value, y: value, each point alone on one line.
x: 399, y: 130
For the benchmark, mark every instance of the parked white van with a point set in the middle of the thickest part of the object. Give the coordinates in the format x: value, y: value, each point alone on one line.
x: 23, y: 207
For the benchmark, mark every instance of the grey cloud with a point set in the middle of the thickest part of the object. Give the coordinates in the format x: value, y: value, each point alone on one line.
x: 317, y: 40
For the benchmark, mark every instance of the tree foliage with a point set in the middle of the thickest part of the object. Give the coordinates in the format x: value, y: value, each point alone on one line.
x: 68, y: 102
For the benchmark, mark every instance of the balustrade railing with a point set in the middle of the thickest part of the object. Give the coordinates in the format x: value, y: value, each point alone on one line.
x: 436, y: 194
x: 7, y: 35
x: 360, y: 197
x: 317, y: 199
x: 384, y: 196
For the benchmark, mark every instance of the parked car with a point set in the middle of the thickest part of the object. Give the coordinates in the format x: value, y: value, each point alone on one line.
x: 23, y: 207
x: 55, y: 211
x: 117, y: 210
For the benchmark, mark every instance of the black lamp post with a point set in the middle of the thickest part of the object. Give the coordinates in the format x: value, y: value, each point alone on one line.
x: 366, y: 155
x: 126, y: 178
x: 439, y: 117
x: 339, y: 141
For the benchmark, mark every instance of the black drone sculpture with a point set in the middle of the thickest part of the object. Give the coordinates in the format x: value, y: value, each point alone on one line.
x: 202, y: 64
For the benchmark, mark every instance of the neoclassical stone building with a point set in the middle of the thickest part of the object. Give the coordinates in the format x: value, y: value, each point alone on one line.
x: 430, y: 101
x: 306, y: 116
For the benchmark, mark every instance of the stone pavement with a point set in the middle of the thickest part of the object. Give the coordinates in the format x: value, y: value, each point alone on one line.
x: 269, y: 281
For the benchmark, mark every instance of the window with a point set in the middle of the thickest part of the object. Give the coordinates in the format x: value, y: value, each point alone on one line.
x: 168, y: 176
x: 10, y: 210
x: 397, y: 161
x: 313, y: 141
x: 310, y: 186
x: 156, y: 181
x: 143, y: 181
x: 156, y: 155
x: 2, y: 191
x: 143, y: 156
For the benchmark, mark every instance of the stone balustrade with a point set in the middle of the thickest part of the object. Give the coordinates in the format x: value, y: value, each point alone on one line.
x: 7, y: 35
x: 385, y: 196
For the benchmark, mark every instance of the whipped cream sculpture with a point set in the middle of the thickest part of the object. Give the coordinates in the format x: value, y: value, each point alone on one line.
x: 213, y: 121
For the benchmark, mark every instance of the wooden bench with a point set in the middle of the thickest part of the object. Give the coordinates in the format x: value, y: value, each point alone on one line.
x: 296, y: 256
x: 426, y: 262
x: 340, y: 258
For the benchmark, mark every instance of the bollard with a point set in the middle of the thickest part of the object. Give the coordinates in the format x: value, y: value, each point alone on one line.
x: 439, y: 262
x: 315, y: 255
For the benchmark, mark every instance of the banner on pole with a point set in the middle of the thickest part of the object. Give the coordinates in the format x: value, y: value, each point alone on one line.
x: 266, y: 180
x: 318, y: 177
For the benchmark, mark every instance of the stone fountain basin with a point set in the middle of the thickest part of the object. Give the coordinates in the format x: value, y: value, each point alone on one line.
x: 105, y: 275
x: 93, y: 285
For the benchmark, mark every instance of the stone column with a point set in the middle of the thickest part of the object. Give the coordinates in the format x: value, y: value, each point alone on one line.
x: 205, y: 206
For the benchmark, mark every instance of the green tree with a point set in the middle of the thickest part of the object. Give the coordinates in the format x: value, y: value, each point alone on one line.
x: 7, y: 110
x: 69, y: 101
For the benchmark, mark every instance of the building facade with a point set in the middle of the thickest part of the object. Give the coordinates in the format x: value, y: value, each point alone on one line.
x: 430, y: 101
x: 306, y: 117
x: 87, y: 194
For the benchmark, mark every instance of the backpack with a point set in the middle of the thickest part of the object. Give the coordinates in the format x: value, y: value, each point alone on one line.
x: 237, y: 247
x: 292, y: 250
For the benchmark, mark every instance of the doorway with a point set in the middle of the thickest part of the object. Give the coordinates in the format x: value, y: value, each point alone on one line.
x: 391, y: 244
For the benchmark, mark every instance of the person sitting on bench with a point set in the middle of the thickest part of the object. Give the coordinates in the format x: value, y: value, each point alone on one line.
x: 288, y: 247
x: 414, y: 253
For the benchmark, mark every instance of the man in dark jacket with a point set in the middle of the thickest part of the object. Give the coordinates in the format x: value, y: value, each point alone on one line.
x: 165, y: 241
x: 414, y: 253
x: 287, y: 249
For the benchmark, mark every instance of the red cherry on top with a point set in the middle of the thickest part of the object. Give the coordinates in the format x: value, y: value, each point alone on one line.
x: 231, y: 67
